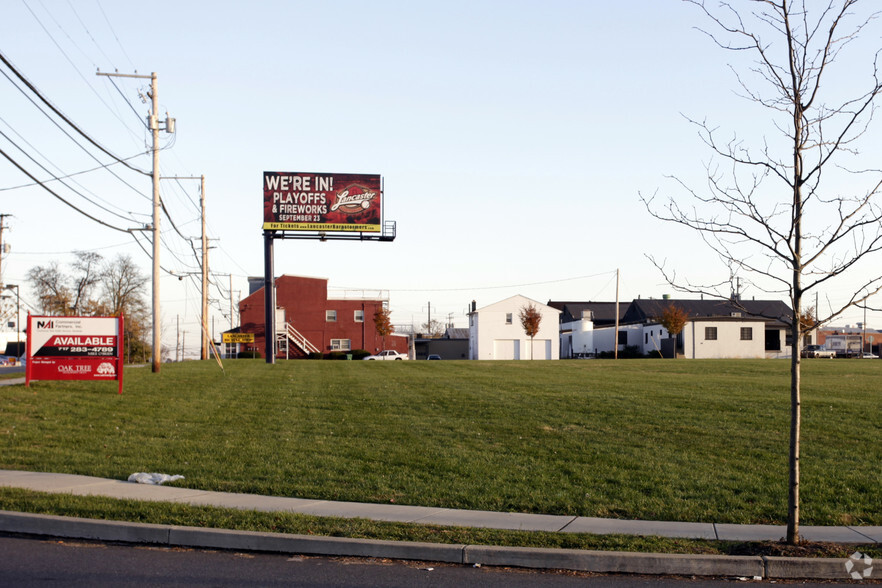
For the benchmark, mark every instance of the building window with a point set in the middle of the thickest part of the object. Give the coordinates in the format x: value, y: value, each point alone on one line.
x: 710, y: 333
x: 331, y: 316
x: 359, y: 316
x: 341, y: 344
x: 508, y: 318
x: 623, y: 338
x: 747, y: 333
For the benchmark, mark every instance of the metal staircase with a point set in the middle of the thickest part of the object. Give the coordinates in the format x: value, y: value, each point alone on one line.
x: 290, y: 334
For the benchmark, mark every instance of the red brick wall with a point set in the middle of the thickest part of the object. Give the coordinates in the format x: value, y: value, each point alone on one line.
x: 305, y: 301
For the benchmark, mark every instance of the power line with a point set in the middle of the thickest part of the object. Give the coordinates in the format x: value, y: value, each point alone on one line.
x: 70, y: 61
x: 62, y: 182
x: 124, y: 162
x: 48, y: 189
x: 61, y: 115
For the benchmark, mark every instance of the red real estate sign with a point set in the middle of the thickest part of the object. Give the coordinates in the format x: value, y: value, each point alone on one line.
x: 74, y: 348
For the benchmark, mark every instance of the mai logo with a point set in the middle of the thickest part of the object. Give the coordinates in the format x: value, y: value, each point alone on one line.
x: 45, y: 324
x: 859, y: 566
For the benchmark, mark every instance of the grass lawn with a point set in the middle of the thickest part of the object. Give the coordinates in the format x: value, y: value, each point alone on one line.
x: 685, y: 440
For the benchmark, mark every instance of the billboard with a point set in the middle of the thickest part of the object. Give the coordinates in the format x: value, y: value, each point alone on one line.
x: 301, y: 201
x: 74, y: 348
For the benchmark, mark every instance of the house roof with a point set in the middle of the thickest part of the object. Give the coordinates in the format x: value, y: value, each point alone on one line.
x: 457, y: 333
x: 773, y: 311
x: 603, y: 313
x: 515, y: 301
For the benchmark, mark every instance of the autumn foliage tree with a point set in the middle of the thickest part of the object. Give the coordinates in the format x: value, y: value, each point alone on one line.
x: 673, y: 319
x: 531, y: 318
x: 383, y: 323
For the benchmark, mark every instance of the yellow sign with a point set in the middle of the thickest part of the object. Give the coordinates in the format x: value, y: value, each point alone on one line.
x: 238, y: 337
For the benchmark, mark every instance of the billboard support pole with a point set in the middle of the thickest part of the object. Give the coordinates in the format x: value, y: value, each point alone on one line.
x: 269, y: 297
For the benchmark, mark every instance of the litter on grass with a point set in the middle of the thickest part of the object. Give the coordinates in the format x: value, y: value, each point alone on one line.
x: 142, y: 478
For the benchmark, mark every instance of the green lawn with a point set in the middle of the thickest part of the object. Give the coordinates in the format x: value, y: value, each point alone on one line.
x: 649, y: 439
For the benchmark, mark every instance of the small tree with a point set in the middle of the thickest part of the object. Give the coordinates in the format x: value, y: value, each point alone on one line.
x: 786, y: 207
x: 530, y: 320
x: 433, y: 328
x: 67, y: 294
x: 808, y: 321
x: 674, y: 318
x: 383, y: 323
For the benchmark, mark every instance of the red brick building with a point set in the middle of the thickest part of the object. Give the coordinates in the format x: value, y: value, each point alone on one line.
x: 308, y: 321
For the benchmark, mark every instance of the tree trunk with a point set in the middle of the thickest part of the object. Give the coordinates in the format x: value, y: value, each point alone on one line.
x: 795, y: 421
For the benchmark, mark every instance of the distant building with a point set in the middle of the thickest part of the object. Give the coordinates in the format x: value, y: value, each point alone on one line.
x: 454, y: 344
x: 715, y: 329
x: 495, y: 331
x: 309, y: 321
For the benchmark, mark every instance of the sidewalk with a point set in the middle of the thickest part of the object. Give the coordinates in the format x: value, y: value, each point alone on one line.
x: 86, y: 485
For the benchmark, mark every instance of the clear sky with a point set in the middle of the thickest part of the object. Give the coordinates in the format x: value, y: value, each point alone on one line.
x: 513, y: 137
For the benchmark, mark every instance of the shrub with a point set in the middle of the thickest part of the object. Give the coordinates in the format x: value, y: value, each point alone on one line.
x: 248, y: 354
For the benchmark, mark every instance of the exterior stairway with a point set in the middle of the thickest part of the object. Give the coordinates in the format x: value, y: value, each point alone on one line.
x: 290, y: 334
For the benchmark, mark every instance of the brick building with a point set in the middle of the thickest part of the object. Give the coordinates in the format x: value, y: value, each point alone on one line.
x: 309, y: 321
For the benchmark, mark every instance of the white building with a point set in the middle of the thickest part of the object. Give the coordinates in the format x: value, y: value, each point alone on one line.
x: 715, y: 329
x: 495, y: 331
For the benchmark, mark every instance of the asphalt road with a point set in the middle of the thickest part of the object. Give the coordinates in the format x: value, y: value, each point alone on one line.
x: 29, y: 562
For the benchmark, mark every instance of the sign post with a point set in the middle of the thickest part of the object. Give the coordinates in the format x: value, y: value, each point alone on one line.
x: 74, y: 348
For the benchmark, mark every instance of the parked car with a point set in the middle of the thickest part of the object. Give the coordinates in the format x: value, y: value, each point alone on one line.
x: 434, y: 356
x: 387, y: 354
x: 870, y: 356
x: 817, y: 351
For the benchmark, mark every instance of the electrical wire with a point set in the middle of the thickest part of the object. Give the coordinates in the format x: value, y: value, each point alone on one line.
x: 63, y: 183
x: 48, y: 189
x: 62, y: 116
x: 125, y: 163
x: 70, y: 61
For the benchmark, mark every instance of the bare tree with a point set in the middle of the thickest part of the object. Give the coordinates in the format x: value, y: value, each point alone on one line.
x: 122, y: 286
x: 87, y: 274
x: 433, y: 329
x: 48, y: 283
x: 530, y: 320
x: 777, y: 210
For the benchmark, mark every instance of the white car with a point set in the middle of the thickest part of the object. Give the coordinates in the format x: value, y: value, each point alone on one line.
x: 386, y: 355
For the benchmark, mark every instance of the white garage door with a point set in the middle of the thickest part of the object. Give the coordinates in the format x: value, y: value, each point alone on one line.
x: 506, y: 349
x: 541, y: 349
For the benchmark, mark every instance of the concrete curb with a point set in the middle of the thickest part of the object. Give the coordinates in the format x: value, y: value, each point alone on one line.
x: 536, y: 558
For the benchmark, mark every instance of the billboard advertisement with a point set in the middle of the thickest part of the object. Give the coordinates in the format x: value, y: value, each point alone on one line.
x: 301, y: 201
x: 74, y: 348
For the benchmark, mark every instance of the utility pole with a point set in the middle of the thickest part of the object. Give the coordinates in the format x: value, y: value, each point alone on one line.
x: 4, y: 248
x: 204, y: 354
x: 153, y: 123
x: 204, y: 239
x: 616, y: 336
x: 154, y: 128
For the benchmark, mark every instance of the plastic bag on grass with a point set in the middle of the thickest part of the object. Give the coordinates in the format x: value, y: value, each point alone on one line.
x: 142, y: 478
